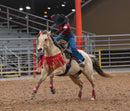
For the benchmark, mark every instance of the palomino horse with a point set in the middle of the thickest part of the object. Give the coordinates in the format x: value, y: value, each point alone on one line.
x: 54, y: 63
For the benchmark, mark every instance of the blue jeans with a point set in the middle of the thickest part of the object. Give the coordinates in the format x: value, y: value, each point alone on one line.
x: 72, y: 44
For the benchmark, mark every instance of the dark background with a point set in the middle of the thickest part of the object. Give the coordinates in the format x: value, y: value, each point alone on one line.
x: 99, y: 16
x: 39, y: 6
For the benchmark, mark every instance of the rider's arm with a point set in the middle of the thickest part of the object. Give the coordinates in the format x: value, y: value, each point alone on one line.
x: 65, y: 26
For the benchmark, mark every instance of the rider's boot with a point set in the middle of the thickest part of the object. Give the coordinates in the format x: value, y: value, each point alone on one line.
x: 82, y: 64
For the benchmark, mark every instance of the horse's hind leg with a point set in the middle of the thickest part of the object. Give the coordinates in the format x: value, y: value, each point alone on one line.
x: 77, y: 81
x: 89, y: 75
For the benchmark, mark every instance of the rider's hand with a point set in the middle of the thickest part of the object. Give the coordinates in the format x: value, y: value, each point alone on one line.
x: 65, y: 27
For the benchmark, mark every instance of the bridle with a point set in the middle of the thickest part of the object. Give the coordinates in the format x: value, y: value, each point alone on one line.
x: 54, y: 42
x: 45, y: 45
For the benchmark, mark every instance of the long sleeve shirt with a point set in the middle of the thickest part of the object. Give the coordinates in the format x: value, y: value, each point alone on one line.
x: 67, y: 30
x: 62, y: 28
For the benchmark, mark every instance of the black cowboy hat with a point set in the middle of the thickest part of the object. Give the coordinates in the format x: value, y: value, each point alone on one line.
x: 60, y: 19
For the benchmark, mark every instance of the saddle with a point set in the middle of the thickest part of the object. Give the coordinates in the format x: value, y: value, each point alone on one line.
x: 68, y: 53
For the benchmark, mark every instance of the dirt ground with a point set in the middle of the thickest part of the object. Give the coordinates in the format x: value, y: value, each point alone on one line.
x: 112, y: 95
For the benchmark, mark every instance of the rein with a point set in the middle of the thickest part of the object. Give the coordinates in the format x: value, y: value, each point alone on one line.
x: 53, y: 62
x: 56, y: 44
x: 47, y: 41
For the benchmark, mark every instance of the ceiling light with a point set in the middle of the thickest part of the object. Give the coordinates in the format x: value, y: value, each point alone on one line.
x: 73, y: 10
x: 21, y: 9
x: 45, y: 12
x: 28, y: 7
x: 45, y: 16
x: 63, y: 5
x: 49, y: 8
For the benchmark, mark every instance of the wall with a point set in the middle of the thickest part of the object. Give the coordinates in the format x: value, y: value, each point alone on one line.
x: 106, y: 17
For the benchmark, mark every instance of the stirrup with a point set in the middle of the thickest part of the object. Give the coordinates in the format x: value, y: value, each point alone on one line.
x: 82, y: 64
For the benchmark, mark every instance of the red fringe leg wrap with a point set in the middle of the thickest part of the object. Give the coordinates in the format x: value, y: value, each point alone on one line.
x: 79, y: 95
x: 36, y: 88
x: 93, y: 94
x: 52, y: 62
x: 51, y: 83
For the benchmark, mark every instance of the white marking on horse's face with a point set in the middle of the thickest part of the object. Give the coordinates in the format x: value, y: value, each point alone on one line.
x: 42, y: 41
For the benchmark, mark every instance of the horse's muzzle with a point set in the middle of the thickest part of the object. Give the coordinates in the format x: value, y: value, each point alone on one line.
x: 39, y: 50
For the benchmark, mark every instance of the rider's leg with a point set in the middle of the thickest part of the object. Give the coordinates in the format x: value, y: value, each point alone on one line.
x: 58, y: 38
x: 72, y: 44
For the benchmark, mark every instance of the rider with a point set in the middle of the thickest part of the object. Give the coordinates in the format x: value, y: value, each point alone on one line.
x: 64, y: 27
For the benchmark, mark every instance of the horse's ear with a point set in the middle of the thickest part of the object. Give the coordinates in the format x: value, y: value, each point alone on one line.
x: 49, y: 33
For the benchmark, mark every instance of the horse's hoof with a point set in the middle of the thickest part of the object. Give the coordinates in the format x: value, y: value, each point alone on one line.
x: 32, y: 96
x: 92, y: 99
x: 53, y: 91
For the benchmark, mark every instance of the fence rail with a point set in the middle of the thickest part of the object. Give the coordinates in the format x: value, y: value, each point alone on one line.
x: 17, y: 59
x: 29, y: 23
x: 112, y: 50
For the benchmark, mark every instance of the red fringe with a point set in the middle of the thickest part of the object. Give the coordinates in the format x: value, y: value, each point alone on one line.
x: 53, y: 61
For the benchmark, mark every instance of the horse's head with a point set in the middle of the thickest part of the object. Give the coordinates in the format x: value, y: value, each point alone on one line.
x: 43, y: 41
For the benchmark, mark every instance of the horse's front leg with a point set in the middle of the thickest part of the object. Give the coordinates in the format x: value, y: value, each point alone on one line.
x: 43, y: 77
x: 51, y: 84
x: 55, y: 73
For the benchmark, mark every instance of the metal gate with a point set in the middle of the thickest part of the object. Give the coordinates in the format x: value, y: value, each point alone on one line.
x: 112, y: 50
x: 16, y: 56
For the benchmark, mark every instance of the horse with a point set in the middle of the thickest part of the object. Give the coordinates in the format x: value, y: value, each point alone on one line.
x: 55, y: 64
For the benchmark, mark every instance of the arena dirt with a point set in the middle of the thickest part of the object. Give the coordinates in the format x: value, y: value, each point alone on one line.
x: 112, y: 95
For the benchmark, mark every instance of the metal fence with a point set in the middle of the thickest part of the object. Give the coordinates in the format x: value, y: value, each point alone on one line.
x: 112, y: 50
x: 16, y: 56
x: 28, y: 23
x: 23, y: 21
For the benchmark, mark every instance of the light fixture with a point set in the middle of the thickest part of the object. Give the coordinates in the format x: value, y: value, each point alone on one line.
x: 21, y: 9
x: 45, y: 12
x: 45, y: 16
x: 73, y: 10
x: 63, y: 5
x: 49, y: 8
x: 28, y: 7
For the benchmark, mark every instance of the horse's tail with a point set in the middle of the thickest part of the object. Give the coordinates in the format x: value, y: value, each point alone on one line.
x: 97, y: 67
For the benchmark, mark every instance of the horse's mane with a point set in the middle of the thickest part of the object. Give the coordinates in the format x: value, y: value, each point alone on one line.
x: 54, y: 41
